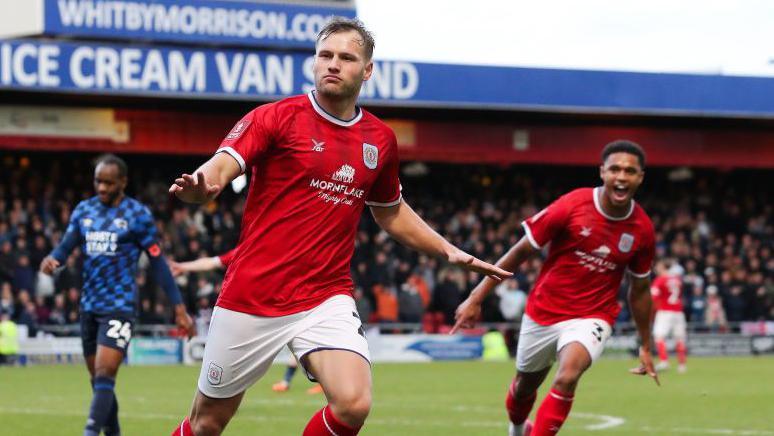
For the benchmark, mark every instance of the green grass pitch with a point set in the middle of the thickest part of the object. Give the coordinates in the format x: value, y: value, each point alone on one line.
x: 718, y: 396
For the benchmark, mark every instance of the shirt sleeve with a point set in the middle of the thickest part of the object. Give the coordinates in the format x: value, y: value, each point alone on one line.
x: 639, y: 265
x: 227, y: 257
x: 545, y: 225
x: 251, y: 136
x: 72, y: 236
x: 385, y: 191
x: 145, y: 232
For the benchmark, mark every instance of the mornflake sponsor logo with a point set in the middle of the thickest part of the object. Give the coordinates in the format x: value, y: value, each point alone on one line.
x: 169, y: 20
x: 338, y: 193
x: 595, y: 263
x: 336, y: 188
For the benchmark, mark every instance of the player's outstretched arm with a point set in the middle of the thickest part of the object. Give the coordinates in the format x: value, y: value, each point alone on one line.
x: 469, y: 311
x: 640, y: 303
x: 207, y: 181
x: 201, y: 264
x: 403, y: 224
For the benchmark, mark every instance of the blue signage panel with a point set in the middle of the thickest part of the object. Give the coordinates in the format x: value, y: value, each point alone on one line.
x: 459, y: 348
x: 205, y: 21
x: 155, y: 351
x: 164, y: 71
x: 168, y: 72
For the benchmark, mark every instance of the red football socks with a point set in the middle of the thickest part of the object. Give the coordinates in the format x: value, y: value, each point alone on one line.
x: 518, y: 410
x: 662, y: 351
x: 681, y: 354
x: 323, y: 423
x: 552, y: 413
x: 184, y: 429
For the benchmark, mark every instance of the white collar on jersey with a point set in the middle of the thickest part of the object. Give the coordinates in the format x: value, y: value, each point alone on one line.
x: 598, y: 206
x: 325, y: 114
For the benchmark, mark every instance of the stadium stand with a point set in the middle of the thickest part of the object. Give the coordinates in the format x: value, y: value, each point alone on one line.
x: 718, y: 225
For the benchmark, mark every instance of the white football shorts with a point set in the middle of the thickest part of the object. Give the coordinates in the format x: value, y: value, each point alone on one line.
x: 669, y: 322
x: 241, y: 347
x: 539, y: 345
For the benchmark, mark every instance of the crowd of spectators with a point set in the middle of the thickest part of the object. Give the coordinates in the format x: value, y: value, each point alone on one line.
x: 717, y: 225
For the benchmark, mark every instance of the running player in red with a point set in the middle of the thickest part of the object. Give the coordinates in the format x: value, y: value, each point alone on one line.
x: 667, y: 293
x: 594, y: 236
x: 317, y: 160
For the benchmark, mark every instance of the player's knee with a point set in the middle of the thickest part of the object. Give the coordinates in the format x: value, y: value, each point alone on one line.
x: 206, y: 426
x: 567, y: 380
x: 352, y: 408
x: 105, y: 371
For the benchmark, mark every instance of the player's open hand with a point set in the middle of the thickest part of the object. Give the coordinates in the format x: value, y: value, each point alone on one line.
x: 646, y: 366
x: 48, y: 265
x: 193, y: 188
x: 466, y: 316
x: 175, y: 268
x: 472, y: 263
x: 184, y: 322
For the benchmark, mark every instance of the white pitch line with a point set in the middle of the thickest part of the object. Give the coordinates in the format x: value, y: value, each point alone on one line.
x: 607, y: 421
x: 734, y: 432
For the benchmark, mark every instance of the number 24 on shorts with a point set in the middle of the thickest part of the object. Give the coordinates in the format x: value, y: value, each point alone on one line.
x: 119, y: 329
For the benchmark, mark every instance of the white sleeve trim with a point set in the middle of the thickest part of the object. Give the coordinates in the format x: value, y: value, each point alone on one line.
x: 390, y: 204
x: 640, y: 276
x: 531, y: 238
x: 233, y: 153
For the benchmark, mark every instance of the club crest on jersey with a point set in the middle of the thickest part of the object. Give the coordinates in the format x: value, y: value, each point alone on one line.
x: 625, y: 243
x: 120, y: 223
x: 370, y: 156
x: 237, y: 131
x: 87, y: 222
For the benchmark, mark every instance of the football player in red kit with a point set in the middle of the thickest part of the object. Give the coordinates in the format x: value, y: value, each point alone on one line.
x: 317, y: 160
x: 594, y: 236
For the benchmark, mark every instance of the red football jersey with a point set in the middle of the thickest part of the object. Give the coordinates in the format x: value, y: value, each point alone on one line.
x: 227, y: 257
x: 588, y: 254
x: 667, y: 293
x: 312, y: 175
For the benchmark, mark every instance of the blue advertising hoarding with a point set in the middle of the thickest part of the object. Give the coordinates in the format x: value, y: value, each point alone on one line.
x: 165, y: 71
x: 219, y: 22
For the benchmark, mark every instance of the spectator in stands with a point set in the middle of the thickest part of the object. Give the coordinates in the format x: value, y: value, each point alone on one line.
x: 512, y: 299
x: 42, y: 309
x: 7, y: 260
x: 448, y: 294
x: 24, y: 314
x: 58, y: 315
x: 410, y: 307
x: 715, y: 315
x: 386, y: 303
x: 23, y: 274
x: 7, y: 301
x: 698, y: 306
x: 9, y: 339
